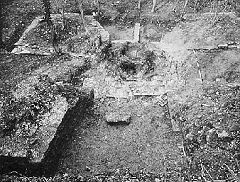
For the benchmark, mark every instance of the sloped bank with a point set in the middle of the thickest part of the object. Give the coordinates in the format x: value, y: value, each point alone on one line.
x: 78, y: 113
x: 204, y: 54
x: 40, y: 98
x: 43, y: 104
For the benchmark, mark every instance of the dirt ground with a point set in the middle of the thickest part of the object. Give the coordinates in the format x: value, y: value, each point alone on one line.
x: 148, y: 142
x: 185, y: 72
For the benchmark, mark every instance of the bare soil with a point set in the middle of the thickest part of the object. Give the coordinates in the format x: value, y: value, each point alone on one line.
x: 195, y: 68
x: 147, y: 143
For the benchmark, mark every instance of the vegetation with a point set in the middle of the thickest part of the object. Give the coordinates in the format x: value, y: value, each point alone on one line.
x: 211, y: 130
x: 211, y: 136
x: 26, y: 110
x: 17, y: 113
x: 1, y: 26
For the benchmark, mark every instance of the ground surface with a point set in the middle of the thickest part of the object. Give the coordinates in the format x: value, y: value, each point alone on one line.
x: 191, y: 79
x: 148, y: 142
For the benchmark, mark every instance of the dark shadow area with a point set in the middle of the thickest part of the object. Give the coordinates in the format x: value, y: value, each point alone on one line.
x: 20, y: 166
x: 119, y: 124
x: 23, y: 166
x: 63, y: 136
x: 128, y: 67
x: 104, y: 20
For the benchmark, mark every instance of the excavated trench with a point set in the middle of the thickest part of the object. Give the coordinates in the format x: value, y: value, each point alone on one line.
x: 112, y: 127
x: 124, y: 116
x: 73, y: 117
x: 123, y: 122
x: 125, y: 125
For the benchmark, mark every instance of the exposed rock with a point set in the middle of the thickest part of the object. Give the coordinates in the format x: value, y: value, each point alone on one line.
x: 115, y: 117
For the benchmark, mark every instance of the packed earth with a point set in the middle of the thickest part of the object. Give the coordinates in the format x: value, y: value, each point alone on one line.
x: 120, y: 91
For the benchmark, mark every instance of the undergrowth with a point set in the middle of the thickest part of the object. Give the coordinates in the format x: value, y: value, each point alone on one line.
x: 211, y: 133
x: 30, y: 110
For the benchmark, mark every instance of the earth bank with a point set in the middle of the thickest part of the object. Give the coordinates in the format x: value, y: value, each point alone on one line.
x: 191, y: 80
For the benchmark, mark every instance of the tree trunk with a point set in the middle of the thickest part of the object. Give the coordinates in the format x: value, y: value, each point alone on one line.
x: 1, y: 26
x: 60, y: 5
x: 98, y: 7
x: 154, y: 6
x: 47, y: 7
x: 63, y: 18
x: 80, y: 6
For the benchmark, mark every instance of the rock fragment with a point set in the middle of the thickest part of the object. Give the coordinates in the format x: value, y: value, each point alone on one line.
x: 116, y: 118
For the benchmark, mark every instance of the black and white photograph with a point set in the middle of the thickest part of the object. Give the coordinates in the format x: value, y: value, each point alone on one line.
x: 119, y: 90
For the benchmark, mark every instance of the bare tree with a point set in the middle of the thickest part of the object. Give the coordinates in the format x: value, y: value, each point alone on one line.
x: 1, y: 26
x: 97, y: 3
x: 47, y: 7
x: 154, y: 6
x: 80, y: 7
x: 60, y: 5
x: 62, y: 13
